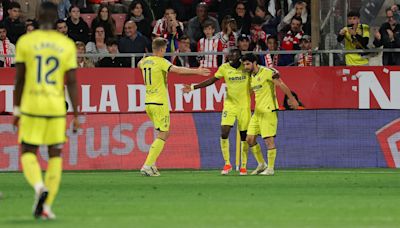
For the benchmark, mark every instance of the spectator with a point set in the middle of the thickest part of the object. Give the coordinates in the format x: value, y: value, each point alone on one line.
x: 271, y: 60
x: 273, y: 7
x: 105, y: 20
x: 97, y: 45
x: 133, y: 42
x: 244, y: 43
x: 15, y: 28
x: 228, y: 35
x: 113, y: 5
x: 160, y: 29
x: 396, y: 12
x: 184, y: 47
x: 29, y: 9
x: 299, y: 10
x: 388, y: 36
x: 291, y: 40
x: 113, y: 61
x: 83, y: 62
x: 63, y: 7
x: 6, y: 48
x: 270, y: 23
x: 355, y: 36
x: 209, y: 43
x: 242, y: 17
x: 31, y: 25
x: 194, y: 29
x: 172, y: 34
x: 78, y: 30
x: 258, y: 36
x: 61, y: 26
x: 304, y: 59
x: 135, y: 14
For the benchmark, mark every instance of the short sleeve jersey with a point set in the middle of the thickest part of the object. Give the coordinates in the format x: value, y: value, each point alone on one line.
x: 47, y: 56
x: 238, y: 86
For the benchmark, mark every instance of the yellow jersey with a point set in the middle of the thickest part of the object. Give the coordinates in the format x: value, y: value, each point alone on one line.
x: 155, y: 71
x: 47, y: 56
x: 355, y: 59
x: 238, y: 86
x: 264, y: 90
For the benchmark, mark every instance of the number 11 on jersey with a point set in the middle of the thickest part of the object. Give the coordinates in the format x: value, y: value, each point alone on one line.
x: 147, y: 76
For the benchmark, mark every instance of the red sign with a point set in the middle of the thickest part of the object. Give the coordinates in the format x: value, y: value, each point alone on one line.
x: 119, y: 141
x: 122, y: 90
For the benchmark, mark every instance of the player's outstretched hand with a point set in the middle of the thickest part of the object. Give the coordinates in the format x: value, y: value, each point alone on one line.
x: 203, y: 71
x: 75, y: 124
x: 293, y: 103
x: 186, y: 88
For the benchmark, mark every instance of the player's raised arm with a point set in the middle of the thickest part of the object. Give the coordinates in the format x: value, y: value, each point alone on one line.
x: 73, y: 94
x: 279, y: 82
x: 185, y: 70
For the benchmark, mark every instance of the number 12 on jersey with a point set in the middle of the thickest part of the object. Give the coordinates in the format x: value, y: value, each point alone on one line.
x: 147, y: 76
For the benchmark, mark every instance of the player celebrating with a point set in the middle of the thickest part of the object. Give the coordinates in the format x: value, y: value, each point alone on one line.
x: 265, y: 119
x: 154, y: 70
x: 236, y: 106
x: 43, y: 58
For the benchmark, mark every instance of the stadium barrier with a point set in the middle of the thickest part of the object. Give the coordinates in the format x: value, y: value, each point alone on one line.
x: 116, y: 134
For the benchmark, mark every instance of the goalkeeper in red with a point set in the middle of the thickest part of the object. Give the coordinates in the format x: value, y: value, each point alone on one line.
x: 264, y: 121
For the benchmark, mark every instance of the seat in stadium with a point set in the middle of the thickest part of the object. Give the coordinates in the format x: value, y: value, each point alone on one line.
x: 88, y: 18
x: 119, y: 19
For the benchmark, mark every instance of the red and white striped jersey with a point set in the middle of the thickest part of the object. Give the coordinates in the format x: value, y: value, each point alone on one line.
x: 228, y: 42
x: 161, y: 27
x: 209, y: 45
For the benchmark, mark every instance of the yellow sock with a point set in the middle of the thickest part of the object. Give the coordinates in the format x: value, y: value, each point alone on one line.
x: 155, y: 150
x: 271, y: 158
x: 245, y: 153
x: 225, y: 150
x: 32, y: 171
x: 256, y: 149
x: 52, y: 178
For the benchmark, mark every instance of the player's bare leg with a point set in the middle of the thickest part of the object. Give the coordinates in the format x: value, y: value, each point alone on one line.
x: 33, y: 174
x: 225, y: 130
x: 52, y: 180
x: 244, y: 153
x: 149, y: 168
x: 256, y: 149
x: 271, y: 155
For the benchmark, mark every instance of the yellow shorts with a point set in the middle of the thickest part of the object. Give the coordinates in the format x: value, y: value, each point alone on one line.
x: 242, y: 115
x: 263, y: 123
x: 41, y: 130
x: 159, y: 115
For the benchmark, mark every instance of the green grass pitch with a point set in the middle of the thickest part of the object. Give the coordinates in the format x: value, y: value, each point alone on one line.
x: 291, y: 198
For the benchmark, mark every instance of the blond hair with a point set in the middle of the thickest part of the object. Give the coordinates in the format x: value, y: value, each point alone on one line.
x: 159, y: 43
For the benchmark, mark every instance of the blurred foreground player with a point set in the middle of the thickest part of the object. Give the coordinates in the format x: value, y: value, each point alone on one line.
x: 264, y: 121
x: 44, y: 57
x: 155, y: 71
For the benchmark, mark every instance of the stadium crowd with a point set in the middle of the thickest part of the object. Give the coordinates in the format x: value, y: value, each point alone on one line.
x: 121, y: 26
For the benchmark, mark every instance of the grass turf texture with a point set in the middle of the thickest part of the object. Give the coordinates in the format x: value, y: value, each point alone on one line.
x: 291, y: 198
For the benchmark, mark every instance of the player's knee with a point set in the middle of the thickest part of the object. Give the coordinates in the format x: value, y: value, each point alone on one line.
x: 251, y: 140
x: 243, y: 135
x: 55, y: 151
x: 164, y: 135
x: 270, y: 143
x: 27, y: 148
x: 225, y: 132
